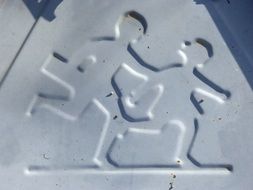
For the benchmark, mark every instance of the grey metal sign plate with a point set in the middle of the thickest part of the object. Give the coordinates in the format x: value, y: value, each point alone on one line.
x: 126, y: 95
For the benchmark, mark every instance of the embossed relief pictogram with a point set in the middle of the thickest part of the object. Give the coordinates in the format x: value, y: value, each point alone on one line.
x: 139, y: 86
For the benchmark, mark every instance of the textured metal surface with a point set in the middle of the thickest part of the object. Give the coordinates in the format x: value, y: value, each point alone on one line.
x: 16, y: 24
x: 127, y: 95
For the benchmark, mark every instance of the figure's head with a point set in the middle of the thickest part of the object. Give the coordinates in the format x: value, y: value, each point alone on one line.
x: 131, y: 26
x: 198, y: 52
